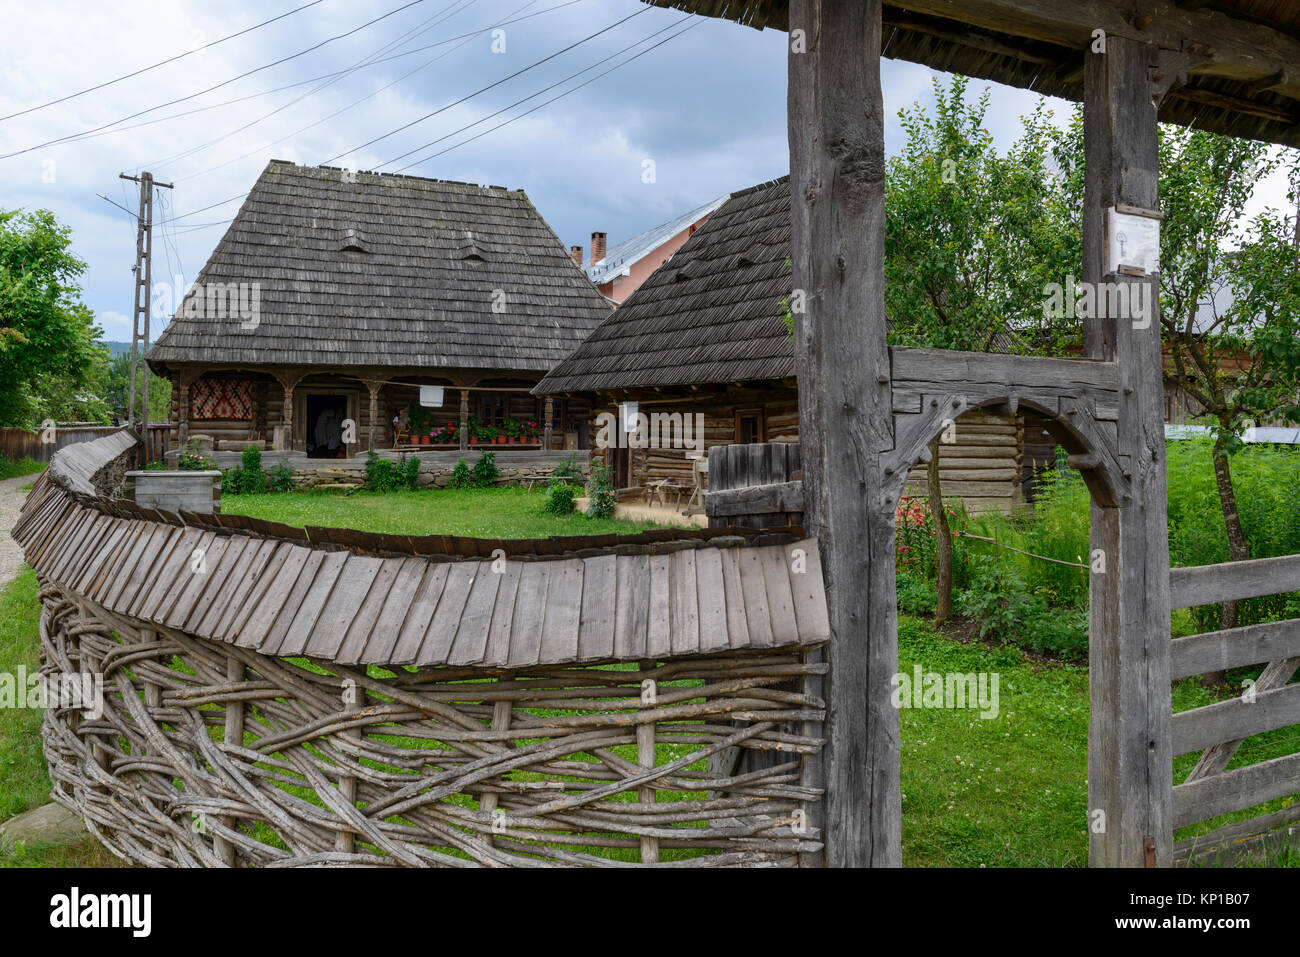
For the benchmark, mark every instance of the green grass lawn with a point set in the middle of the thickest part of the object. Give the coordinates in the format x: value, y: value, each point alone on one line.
x: 24, y: 780
x: 24, y: 466
x: 504, y: 512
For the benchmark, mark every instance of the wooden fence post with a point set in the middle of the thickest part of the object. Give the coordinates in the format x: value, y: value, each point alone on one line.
x: 837, y: 190
x: 1130, y: 786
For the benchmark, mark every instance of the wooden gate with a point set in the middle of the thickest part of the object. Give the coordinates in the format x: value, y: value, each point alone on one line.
x: 754, y: 486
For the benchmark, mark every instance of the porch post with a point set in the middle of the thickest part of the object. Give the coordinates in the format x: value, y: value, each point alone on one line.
x: 548, y: 410
x: 373, y: 386
x: 184, y: 379
x: 1130, y: 786
x: 288, y: 380
x: 837, y: 190
x: 464, y: 419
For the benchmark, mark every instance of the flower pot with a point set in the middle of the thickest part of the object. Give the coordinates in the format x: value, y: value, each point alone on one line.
x: 424, y: 440
x: 500, y: 440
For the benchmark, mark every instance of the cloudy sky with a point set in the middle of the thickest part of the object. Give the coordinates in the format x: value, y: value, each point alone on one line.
x: 704, y: 102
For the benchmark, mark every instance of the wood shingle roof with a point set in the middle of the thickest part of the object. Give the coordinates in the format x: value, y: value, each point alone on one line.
x: 379, y: 270
x: 712, y: 313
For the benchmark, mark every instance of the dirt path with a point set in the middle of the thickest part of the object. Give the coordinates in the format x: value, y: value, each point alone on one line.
x: 11, y: 503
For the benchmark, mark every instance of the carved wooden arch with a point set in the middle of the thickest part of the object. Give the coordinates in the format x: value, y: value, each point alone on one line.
x: 1089, y: 442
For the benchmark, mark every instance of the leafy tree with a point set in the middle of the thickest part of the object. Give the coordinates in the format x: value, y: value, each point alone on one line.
x: 972, y: 236
x: 48, y: 340
x: 1229, y: 292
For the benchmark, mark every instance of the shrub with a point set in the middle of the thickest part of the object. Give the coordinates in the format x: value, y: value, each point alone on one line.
x: 193, y: 460
x: 566, y: 471
x: 601, y: 497
x: 999, y: 601
x: 485, y: 470
x: 559, y: 499
x: 410, y: 473
x: 916, y: 595
x: 461, y: 476
x: 381, y: 474
x: 281, y: 477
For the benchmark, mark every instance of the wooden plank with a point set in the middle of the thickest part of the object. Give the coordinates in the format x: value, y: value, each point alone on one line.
x: 808, y: 593
x: 1264, y: 838
x: 683, y: 603
x: 1234, y: 648
x: 755, y: 500
x: 1210, y: 584
x: 970, y: 369
x: 279, y: 585
x: 291, y: 637
x: 188, y: 554
x: 711, y: 596
x: 563, y: 612
x: 144, y: 554
x: 441, y: 633
x: 378, y: 643
x: 780, y: 597
x: 471, y: 639
x: 187, y: 593
x: 250, y: 590
x: 631, y: 606
x: 91, y: 576
x: 737, y: 623
x: 596, y: 627
x: 753, y: 585
x: 418, y: 616
x: 659, y: 623
x: 497, y: 652
x: 354, y: 604
x: 1236, y: 790
x: 236, y: 560
x: 1235, y: 719
x: 530, y: 615
x: 316, y: 576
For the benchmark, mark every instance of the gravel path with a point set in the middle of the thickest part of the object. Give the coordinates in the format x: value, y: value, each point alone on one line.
x: 11, y: 503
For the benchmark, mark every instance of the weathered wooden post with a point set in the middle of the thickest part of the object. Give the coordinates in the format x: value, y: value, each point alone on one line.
x: 837, y: 189
x: 548, y: 415
x: 373, y: 386
x: 464, y: 419
x: 1130, y: 787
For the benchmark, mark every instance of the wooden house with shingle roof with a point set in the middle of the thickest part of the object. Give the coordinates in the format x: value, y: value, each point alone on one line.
x: 336, y: 294
x: 704, y: 335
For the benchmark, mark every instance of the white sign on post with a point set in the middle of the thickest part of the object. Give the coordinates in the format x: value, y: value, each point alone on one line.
x: 1132, y: 241
x: 431, y: 396
x: 627, y: 410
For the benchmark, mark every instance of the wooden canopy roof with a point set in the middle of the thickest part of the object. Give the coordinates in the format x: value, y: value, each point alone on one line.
x: 1244, y: 82
x: 379, y: 270
x: 711, y: 313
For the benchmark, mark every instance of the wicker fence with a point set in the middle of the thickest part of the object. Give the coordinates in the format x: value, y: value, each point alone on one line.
x: 621, y: 741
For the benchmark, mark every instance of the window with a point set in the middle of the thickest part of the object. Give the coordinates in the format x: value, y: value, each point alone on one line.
x: 749, y: 426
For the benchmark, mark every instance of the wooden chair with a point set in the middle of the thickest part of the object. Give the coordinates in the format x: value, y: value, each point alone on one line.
x: 700, y: 486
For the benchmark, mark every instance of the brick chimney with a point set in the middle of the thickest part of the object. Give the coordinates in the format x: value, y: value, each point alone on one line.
x: 597, y: 247
x: 576, y: 253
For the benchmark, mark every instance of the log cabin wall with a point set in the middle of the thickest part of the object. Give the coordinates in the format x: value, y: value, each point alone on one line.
x: 981, y: 467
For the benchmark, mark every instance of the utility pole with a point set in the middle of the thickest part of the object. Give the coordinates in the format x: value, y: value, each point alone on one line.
x: 143, y: 271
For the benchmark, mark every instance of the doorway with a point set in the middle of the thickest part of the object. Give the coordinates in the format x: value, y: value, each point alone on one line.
x: 324, y: 421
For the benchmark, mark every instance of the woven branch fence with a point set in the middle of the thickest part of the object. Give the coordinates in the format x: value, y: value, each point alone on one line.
x: 212, y: 755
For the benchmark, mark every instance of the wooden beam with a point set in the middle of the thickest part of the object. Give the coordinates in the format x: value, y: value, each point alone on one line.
x: 1228, y: 581
x: 1237, y: 49
x: 1129, y: 758
x: 837, y: 174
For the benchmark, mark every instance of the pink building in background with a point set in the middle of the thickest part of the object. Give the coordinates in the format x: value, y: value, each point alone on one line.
x: 619, y: 271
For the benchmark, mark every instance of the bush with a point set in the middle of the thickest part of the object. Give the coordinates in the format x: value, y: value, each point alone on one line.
x: 192, y: 460
x: 567, y: 471
x: 1000, y: 602
x: 461, y: 476
x: 281, y: 477
x: 381, y: 474
x: 601, y: 497
x: 410, y: 473
x: 559, y: 499
x: 916, y: 595
x: 485, y: 470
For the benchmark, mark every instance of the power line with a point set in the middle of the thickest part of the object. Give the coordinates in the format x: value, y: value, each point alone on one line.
x: 545, y: 89
x: 490, y: 86
x: 182, y: 99
x: 406, y: 37
x: 179, y: 56
x: 78, y: 137
x: 550, y: 101
x: 466, y: 39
